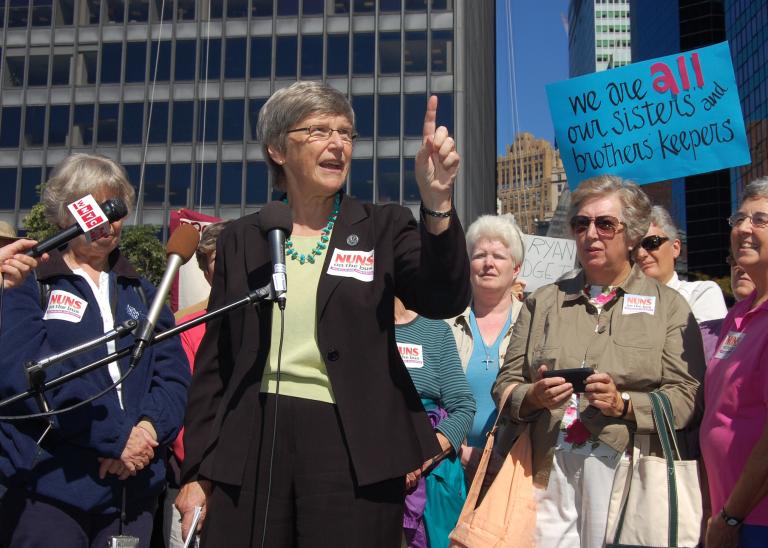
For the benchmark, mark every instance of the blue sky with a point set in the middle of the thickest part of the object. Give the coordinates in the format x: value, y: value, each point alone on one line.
x: 540, y: 45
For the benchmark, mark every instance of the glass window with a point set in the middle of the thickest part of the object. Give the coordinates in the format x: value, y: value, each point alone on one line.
x: 234, y: 59
x: 208, y: 184
x: 183, y: 118
x: 157, y: 122
x: 389, y: 116
x: 288, y: 7
x: 210, y: 59
x: 413, y: 122
x: 261, y: 8
x: 237, y: 8
x: 111, y: 62
x: 186, y: 52
x: 34, y: 126
x: 338, y: 54
x: 108, y: 114
x: 233, y: 123
x: 58, y: 124
x: 60, y: 70
x: 261, y: 57
x: 363, y: 49
x: 389, y: 5
x: 254, y: 105
x: 163, y: 62
x: 445, y: 110
x: 363, y: 107
x: 134, y: 175
x: 154, y: 184
x: 179, y: 185
x: 389, y: 53
x: 185, y: 10
x: 216, y: 9
x: 286, y: 56
x: 115, y: 11
x: 313, y: 7
x: 7, y: 187
x: 339, y: 7
x: 30, y: 185
x: 93, y: 7
x: 231, y: 183
x: 18, y: 13
x: 89, y: 59
x: 364, y: 6
x: 38, y: 70
x: 10, y: 125
x: 361, y: 180
x: 208, y: 121
x: 133, y: 118
x: 135, y: 61
x: 138, y: 11
x: 388, y: 180
x: 410, y: 186
x: 442, y: 51
x: 15, y: 71
x: 41, y: 13
x: 311, y: 55
x: 163, y: 11
x: 65, y: 12
x: 83, y: 125
x: 415, y: 54
x: 256, y: 183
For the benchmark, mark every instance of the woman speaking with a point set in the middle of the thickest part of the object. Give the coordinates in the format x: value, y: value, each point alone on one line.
x: 306, y: 443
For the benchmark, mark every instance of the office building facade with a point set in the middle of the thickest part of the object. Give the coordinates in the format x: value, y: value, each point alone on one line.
x: 599, y: 35
x: 172, y: 89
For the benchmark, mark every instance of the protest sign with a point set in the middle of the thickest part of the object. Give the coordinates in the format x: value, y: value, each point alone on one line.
x: 653, y: 120
x: 546, y: 259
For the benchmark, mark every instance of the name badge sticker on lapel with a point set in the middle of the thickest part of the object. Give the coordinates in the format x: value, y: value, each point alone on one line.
x: 63, y: 305
x: 412, y: 354
x: 730, y: 342
x: 639, y: 304
x: 352, y: 264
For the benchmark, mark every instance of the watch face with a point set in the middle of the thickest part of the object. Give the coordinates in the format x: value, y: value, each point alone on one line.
x: 625, y: 396
x: 733, y: 522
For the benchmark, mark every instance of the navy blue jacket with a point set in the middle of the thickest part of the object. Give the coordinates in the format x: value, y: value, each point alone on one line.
x: 66, y: 468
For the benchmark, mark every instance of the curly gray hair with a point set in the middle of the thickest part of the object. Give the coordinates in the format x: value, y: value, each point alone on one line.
x: 498, y: 227
x: 755, y: 190
x: 662, y: 219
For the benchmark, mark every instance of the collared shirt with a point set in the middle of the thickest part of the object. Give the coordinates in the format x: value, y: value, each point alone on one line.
x: 705, y: 298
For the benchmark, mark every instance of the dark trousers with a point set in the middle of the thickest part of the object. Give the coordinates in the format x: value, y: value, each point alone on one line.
x: 313, y: 499
x: 27, y: 522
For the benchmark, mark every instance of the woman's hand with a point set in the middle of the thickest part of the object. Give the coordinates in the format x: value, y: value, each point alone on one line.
x: 436, y: 163
x: 720, y: 534
x: 602, y: 393
x: 546, y: 393
x: 14, y: 265
x: 191, y: 495
x: 139, y: 449
x: 114, y: 466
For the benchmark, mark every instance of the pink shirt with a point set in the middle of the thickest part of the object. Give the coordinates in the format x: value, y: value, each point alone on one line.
x: 736, y: 402
x: 190, y: 341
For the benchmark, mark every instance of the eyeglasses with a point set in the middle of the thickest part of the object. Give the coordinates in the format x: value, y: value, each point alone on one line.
x: 758, y: 220
x: 323, y: 133
x: 606, y: 225
x: 652, y: 243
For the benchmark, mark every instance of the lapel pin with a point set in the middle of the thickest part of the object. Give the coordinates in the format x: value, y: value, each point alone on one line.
x: 352, y: 239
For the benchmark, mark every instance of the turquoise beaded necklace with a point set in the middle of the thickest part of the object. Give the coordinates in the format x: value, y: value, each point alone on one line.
x: 325, y: 236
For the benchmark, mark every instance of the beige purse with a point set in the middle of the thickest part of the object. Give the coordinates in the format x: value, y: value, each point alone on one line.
x: 656, y: 502
x: 506, y: 516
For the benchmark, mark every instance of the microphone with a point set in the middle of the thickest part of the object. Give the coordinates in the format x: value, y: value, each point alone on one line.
x: 277, y: 223
x: 113, y: 209
x: 181, y: 246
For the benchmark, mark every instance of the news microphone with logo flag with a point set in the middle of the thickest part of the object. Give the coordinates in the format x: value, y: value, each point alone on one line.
x: 89, y: 216
x: 277, y: 223
x: 181, y: 246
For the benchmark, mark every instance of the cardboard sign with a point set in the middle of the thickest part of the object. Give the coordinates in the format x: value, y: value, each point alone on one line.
x: 546, y: 259
x: 650, y: 121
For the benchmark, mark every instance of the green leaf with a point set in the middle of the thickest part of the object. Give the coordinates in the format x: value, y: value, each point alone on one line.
x: 139, y: 244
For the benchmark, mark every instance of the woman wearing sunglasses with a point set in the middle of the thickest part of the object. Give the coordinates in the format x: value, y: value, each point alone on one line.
x: 734, y: 431
x: 635, y: 334
x: 656, y: 255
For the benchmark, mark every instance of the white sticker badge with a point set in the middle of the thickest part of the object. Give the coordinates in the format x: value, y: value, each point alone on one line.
x: 63, y: 305
x: 352, y: 264
x: 412, y: 354
x: 730, y: 342
x: 636, y: 304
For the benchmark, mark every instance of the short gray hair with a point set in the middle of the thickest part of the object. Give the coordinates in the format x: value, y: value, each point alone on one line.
x: 78, y: 175
x: 755, y: 190
x: 635, y: 204
x: 498, y: 227
x: 662, y: 219
x: 207, y: 244
x: 289, y: 106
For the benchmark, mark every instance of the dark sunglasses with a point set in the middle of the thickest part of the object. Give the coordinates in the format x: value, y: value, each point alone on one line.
x: 652, y: 243
x: 606, y: 225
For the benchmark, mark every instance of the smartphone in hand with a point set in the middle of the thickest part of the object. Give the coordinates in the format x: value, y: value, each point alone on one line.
x: 576, y: 376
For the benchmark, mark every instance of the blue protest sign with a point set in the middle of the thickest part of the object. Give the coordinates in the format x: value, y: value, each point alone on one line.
x: 651, y: 121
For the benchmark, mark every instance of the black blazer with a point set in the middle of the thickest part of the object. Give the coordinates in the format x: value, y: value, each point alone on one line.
x: 382, y: 417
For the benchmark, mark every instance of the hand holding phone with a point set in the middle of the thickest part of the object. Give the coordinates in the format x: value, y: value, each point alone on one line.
x: 576, y: 376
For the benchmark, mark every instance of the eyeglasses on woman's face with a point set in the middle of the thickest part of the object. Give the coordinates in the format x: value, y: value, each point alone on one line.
x: 323, y: 132
x: 606, y: 225
x: 757, y: 220
x: 652, y: 243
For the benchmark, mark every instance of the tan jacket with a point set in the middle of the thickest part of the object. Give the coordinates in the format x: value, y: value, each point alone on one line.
x: 641, y: 352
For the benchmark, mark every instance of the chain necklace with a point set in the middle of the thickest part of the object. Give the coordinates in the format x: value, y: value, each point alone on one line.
x: 325, y: 236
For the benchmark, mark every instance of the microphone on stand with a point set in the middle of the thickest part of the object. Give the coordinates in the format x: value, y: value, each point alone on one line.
x: 181, y: 246
x: 277, y: 223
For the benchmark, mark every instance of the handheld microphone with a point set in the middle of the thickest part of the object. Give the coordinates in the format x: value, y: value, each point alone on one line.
x: 181, y: 246
x: 277, y: 223
x: 114, y: 210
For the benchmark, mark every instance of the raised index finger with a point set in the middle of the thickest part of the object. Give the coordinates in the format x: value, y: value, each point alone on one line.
x: 429, y: 118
